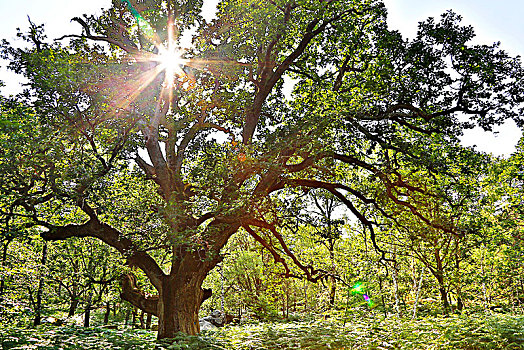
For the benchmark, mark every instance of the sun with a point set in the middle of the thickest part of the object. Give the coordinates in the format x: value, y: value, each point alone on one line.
x: 171, y: 62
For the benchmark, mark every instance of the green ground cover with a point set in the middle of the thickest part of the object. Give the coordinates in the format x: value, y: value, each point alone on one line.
x: 452, y: 332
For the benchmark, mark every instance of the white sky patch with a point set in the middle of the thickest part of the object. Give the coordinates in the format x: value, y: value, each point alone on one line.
x: 499, y: 143
x: 493, y: 21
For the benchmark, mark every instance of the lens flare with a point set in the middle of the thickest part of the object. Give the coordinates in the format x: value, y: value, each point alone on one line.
x: 360, y: 289
x: 167, y: 56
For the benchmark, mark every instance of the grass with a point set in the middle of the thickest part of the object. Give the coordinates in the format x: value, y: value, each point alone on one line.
x: 453, y: 332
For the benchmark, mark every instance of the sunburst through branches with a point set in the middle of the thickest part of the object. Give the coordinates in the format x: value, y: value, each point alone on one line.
x: 171, y: 63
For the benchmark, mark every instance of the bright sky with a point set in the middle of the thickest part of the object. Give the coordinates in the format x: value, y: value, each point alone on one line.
x: 499, y: 20
x: 493, y: 20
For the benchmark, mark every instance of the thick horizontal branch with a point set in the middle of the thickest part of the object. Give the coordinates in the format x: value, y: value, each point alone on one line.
x: 389, y: 190
x: 112, y: 237
x: 306, y: 163
x: 355, y: 161
x: 269, y: 248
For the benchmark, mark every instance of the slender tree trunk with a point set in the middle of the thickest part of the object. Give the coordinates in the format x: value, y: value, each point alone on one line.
x: 38, y: 304
x: 439, y: 275
x: 221, y: 289
x: 126, y: 318
x: 107, y: 313
x: 332, y: 292
x: 458, y: 278
x: 287, y: 304
x: 73, y: 305
x: 148, y: 321
x: 419, y: 287
x: 519, y: 293
x: 382, y: 296
x: 141, y: 320
x: 443, y: 296
x: 483, y: 276
x: 3, y: 264
x: 442, y: 291
x: 458, y: 281
x: 133, y: 318
x: 87, y: 315
x: 305, y: 296
x: 395, y: 277
x: 395, y: 290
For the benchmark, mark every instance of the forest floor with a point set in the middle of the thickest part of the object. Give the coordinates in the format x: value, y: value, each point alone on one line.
x: 450, y: 332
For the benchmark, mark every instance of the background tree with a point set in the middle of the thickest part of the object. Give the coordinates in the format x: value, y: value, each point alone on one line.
x: 329, y: 230
x: 498, y: 250
x: 78, y: 267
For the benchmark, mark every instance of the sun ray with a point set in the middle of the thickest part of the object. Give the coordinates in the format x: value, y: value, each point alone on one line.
x: 167, y: 60
x: 132, y: 90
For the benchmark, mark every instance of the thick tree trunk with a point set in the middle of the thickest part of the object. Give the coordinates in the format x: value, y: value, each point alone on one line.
x: 179, y: 299
x: 178, y: 306
x: 180, y: 292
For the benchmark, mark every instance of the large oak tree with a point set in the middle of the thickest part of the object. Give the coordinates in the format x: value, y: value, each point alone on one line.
x: 165, y: 154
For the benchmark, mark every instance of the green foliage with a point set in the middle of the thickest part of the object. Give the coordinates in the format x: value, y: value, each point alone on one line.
x: 52, y: 337
x: 502, y: 332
